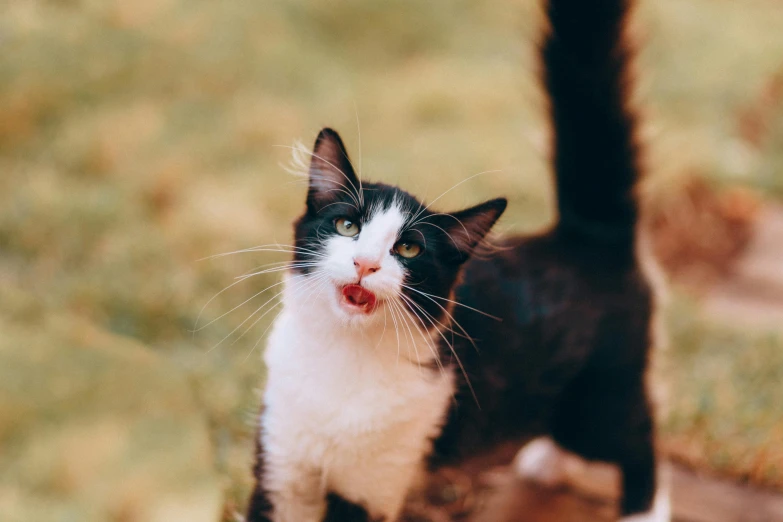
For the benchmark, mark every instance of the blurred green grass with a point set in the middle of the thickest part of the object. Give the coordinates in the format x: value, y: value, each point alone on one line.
x: 726, y: 415
x: 139, y: 137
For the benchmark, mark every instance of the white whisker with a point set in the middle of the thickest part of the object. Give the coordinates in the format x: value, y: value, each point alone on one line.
x: 442, y: 230
x: 425, y: 218
x: 396, y: 331
x: 453, y: 351
x: 427, y: 338
x: 410, y: 333
x: 314, y: 155
x: 242, y: 303
x: 452, y: 188
x: 359, y: 171
x: 267, y: 248
x: 453, y: 302
x: 448, y: 314
x: 232, y: 332
x: 287, y: 266
x: 311, y: 283
x: 271, y: 323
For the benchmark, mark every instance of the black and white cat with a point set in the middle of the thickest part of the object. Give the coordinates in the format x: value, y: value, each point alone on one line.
x: 397, y: 351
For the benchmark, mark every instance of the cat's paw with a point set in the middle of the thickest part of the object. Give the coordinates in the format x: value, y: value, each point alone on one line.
x: 544, y: 462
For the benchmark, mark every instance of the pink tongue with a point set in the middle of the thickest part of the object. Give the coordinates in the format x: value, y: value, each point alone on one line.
x: 359, y: 296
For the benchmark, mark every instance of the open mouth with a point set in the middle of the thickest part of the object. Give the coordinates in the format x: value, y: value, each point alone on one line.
x: 359, y: 299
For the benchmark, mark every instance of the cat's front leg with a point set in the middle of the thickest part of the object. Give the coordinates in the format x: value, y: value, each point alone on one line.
x: 286, y: 491
x: 378, y: 488
x: 296, y: 492
x: 266, y: 507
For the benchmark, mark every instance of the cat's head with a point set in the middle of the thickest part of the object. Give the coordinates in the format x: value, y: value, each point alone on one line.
x: 373, y: 245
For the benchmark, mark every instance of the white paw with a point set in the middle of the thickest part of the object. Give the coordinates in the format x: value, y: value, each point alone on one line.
x: 544, y: 462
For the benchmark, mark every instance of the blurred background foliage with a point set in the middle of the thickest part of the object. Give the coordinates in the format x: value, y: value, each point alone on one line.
x: 137, y: 138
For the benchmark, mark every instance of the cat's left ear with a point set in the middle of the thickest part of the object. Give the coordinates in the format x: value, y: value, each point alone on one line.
x: 468, y: 227
x: 332, y: 177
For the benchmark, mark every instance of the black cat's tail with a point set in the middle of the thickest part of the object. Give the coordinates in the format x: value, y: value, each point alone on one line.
x: 586, y: 57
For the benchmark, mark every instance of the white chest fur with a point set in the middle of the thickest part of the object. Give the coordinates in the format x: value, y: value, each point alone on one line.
x: 346, y: 411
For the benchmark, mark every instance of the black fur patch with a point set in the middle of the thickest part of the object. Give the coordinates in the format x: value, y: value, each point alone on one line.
x: 260, y: 508
x: 342, y: 510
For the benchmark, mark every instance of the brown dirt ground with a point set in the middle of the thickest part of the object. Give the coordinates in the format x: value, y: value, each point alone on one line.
x: 496, y: 495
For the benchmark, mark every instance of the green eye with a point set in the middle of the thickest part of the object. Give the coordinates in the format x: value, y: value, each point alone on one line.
x: 407, y: 250
x: 346, y: 227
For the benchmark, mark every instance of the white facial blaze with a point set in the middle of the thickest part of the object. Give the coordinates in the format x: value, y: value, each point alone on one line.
x: 374, y: 243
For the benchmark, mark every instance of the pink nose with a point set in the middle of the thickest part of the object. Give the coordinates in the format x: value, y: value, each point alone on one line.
x: 365, y: 266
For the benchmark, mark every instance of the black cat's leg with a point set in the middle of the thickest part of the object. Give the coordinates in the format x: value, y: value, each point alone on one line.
x: 645, y: 498
x: 611, y: 420
x: 342, y: 510
x: 259, y: 508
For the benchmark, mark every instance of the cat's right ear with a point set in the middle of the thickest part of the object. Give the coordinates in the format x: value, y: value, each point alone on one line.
x: 466, y: 228
x: 332, y: 178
